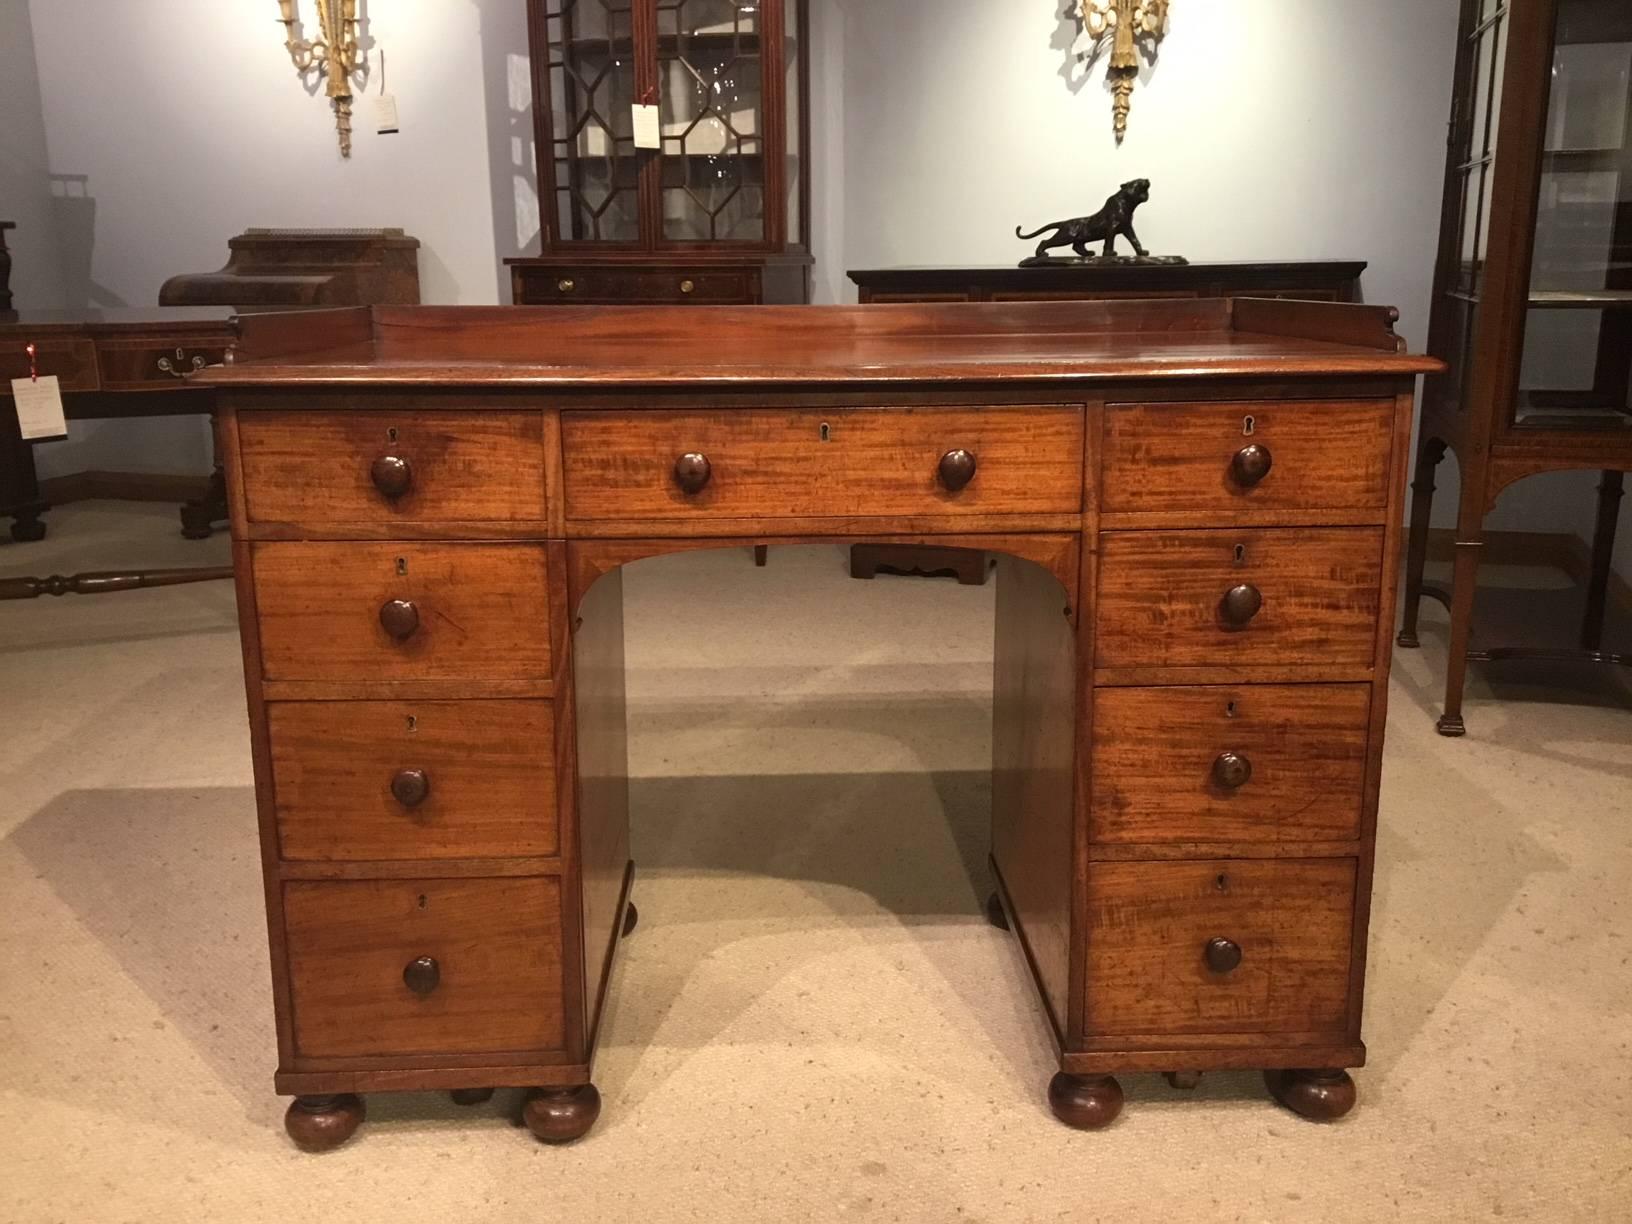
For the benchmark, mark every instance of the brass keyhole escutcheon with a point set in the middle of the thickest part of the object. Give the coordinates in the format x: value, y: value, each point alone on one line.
x: 1249, y: 426
x: 391, y: 434
x: 826, y: 432
x: 402, y: 567
x: 1240, y: 554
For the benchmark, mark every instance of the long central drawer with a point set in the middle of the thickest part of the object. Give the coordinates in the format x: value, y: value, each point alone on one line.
x: 823, y: 462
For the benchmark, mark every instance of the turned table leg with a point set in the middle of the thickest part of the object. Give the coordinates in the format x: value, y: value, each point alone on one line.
x: 1321, y: 1095
x: 1086, y: 1102
x: 1416, y: 553
x: 319, y: 1123
x: 560, y: 1115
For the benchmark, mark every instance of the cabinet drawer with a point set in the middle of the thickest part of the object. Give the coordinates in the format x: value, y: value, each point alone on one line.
x: 847, y: 461
x: 1149, y: 928
x: 495, y: 985
x: 638, y: 286
x: 473, y: 611
x: 1274, y: 762
x: 156, y: 364
x: 1165, y: 597
x: 1236, y: 458
x: 359, y: 780
x: 392, y: 467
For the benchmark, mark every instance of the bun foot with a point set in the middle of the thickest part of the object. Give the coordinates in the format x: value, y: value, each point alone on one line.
x: 1320, y: 1096
x: 1184, y: 1080
x: 319, y: 1123
x: 560, y: 1115
x: 631, y: 916
x: 995, y: 914
x: 471, y: 1096
x: 1452, y: 726
x: 1086, y: 1102
x: 1408, y: 640
x: 27, y: 530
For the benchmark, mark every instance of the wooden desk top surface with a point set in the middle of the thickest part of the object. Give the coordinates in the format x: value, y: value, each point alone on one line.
x: 145, y: 319
x: 602, y: 347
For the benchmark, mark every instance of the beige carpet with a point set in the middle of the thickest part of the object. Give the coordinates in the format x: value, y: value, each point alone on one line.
x: 813, y: 1022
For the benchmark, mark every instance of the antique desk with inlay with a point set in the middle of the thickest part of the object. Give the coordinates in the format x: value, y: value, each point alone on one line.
x: 1196, y: 509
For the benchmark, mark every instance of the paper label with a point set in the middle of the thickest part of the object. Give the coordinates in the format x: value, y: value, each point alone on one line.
x: 385, y: 114
x: 39, y: 407
x: 648, y: 130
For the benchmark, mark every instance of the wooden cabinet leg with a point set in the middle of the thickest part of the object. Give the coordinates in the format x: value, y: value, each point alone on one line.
x: 631, y: 916
x: 1319, y: 1095
x: 1085, y: 1102
x: 471, y: 1096
x: 199, y: 516
x: 560, y: 1115
x: 1416, y: 554
x: 319, y: 1123
x: 1463, y: 586
x: 1610, y: 489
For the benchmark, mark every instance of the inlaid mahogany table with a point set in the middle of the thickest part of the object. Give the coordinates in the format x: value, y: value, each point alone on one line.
x: 1196, y: 507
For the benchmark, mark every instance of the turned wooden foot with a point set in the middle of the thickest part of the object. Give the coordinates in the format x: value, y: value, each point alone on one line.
x: 1452, y: 726
x: 995, y: 914
x: 1320, y: 1095
x: 560, y: 1115
x: 1086, y: 1102
x: 1185, y: 1080
x: 28, y: 527
x: 318, y: 1123
x: 630, y: 917
x: 471, y: 1096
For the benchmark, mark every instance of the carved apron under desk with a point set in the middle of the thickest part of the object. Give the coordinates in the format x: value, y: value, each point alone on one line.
x: 1196, y: 507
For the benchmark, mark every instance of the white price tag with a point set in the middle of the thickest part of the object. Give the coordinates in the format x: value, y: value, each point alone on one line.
x: 39, y: 407
x: 385, y: 114
x: 648, y: 130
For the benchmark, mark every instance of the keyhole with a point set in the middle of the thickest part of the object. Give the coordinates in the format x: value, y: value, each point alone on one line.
x: 1229, y: 710
x: 1248, y: 426
x: 1223, y: 883
x: 1240, y: 553
x: 391, y: 434
x: 423, y: 902
x: 413, y: 723
x: 827, y: 432
x: 402, y: 565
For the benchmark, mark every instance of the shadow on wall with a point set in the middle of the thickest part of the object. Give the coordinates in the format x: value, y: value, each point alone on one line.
x: 73, y: 216
x: 512, y: 163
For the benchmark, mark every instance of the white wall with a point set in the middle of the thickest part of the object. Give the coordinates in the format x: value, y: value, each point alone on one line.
x: 25, y: 195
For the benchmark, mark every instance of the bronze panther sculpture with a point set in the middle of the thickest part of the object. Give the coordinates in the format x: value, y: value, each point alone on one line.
x: 1115, y: 218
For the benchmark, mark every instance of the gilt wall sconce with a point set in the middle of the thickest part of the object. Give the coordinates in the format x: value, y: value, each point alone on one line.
x: 1127, y: 27
x: 333, y: 57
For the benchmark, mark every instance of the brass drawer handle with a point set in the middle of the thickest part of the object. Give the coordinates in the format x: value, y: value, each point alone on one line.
x: 392, y: 475
x: 1240, y: 604
x: 422, y: 975
x: 1222, y: 955
x: 175, y: 368
x: 399, y: 618
x: 692, y: 472
x: 688, y: 286
x: 1250, y: 465
x: 566, y: 284
x: 1232, y: 771
x: 411, y: 787
x: 957, y: 469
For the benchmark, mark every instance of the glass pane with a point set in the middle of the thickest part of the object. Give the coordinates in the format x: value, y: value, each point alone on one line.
x: 796, y: 153
x: 592, y: 86
x: 709, y: 74
x: 1578, y: 326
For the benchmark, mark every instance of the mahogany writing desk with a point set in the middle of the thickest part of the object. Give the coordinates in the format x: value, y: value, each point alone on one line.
x: 1196, y: 507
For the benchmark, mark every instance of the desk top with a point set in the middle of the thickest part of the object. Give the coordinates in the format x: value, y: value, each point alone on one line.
x: 145, y: 319
x: 669, y: 346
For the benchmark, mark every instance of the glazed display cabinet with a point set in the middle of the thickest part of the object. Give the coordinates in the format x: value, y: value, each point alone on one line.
x: 708, y: 205
x: 1533, y: 295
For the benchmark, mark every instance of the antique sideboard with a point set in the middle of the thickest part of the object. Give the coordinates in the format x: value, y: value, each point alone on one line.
x: 1196, y: 505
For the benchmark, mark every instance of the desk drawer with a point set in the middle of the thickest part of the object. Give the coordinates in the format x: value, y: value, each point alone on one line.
x: 382, y: 780
x: 1274, y: 762
x: 844, y: 461
x: 636, y: 286
x: 392, y: 467
x: 1236, y: 458
x: 457, y: 611
x: 156, y: 364
x: 1165, y: 598
x: 73, y: 361
x: 1149, y: 927
x: 495, y: 984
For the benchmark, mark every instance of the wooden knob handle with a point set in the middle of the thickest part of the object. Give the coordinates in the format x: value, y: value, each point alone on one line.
x: 566, y: 284
x: 692, y: 471
x: 957, y: 469
x: 1251, y: 464
x: 688, y: 286
x: 411, y: 787
x: 1240, y: 604
x: 399, y: 618
x: 1222, y: 955
x: 422, y: 975
x: 1232, y: 770
x: 392, y: 475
